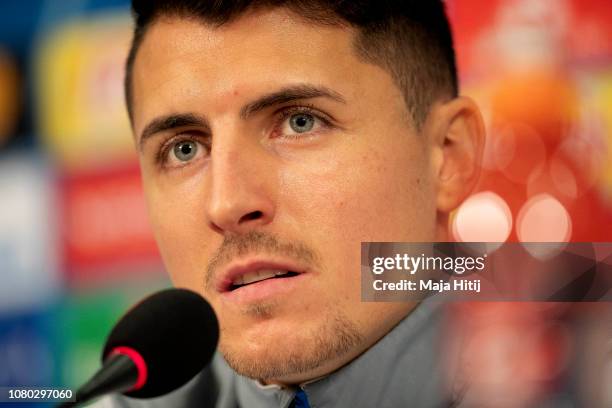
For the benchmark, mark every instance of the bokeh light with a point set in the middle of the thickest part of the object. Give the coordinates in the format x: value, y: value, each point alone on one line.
x: 483, y: 217
x: 543, y: 219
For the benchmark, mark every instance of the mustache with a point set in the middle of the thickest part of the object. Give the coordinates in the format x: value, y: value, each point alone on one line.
x: 235, y: 246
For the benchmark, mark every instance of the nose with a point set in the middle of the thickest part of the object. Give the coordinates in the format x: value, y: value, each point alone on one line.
x: 242, y: 180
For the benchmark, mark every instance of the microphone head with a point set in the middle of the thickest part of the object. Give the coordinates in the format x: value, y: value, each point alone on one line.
x: 176, y: 333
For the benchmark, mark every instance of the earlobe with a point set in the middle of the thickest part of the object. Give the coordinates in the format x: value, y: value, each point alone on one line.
x: 459, y: 142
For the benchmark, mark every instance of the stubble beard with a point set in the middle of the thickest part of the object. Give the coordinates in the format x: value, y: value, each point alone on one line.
x: 295, y: 354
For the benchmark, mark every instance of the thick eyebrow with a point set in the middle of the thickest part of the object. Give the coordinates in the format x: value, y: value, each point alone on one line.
x: 169, y: 122
x: 289, y: 94
x: 284, y: 95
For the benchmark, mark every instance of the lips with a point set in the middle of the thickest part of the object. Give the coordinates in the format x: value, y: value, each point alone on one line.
x: 260, y: 275
x: 245, y: 274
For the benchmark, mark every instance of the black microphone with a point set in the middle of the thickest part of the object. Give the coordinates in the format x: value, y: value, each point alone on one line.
x: 158, y: 345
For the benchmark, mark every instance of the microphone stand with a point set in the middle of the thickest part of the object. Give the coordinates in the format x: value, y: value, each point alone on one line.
x: 118, y: 374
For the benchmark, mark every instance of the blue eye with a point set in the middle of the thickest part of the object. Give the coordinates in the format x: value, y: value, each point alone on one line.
x: 301, y: 122
x: 185, y: 150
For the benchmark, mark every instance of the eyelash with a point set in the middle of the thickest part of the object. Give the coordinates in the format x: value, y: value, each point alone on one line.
x: 168, y: 145
x: 289, y: 111
x: 282, y: 115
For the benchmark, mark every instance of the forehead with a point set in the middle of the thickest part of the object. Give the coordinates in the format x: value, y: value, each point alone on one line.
x: 185, y: 61
x: 271, y: 34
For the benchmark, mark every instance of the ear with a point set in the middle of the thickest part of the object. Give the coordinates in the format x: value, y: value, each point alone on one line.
x: 456, y: 132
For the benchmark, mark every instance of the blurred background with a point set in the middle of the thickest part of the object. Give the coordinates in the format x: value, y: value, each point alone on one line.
x: 76, y: 249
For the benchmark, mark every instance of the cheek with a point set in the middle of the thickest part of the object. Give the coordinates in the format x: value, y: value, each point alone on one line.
x: 179, y: 234
x: 363, y: 196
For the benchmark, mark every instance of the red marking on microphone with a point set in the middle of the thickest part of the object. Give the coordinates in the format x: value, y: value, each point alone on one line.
x: 141, y: 365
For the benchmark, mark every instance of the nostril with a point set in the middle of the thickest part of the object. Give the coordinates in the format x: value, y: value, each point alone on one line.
x: 254, y: 215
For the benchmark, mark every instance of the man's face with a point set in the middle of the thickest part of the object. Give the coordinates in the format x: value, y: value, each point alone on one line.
x: 285, y: 152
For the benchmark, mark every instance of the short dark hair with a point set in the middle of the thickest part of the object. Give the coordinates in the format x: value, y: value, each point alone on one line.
x: 411, y: 39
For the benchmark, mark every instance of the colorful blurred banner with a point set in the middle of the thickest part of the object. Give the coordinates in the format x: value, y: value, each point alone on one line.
x: 76, y: 249
x: 85, y: 319
x: 541, y: 71
x: 10, y: 99
x: 106, y: 227
x: 29, y: 259
x: 80, y: 71
x: 29, y: 340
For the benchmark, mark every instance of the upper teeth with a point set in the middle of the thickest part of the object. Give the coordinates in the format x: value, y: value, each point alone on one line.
x: 258, y: 276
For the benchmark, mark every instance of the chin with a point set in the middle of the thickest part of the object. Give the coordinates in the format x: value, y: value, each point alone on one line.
x: 280, y: 353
